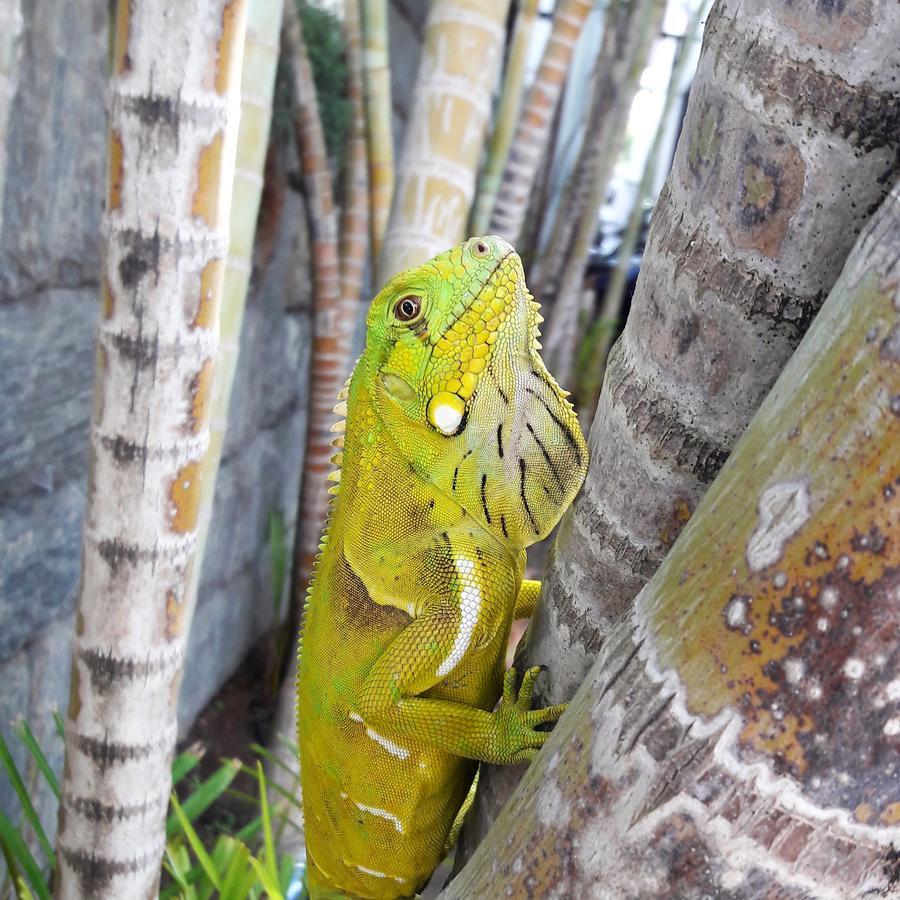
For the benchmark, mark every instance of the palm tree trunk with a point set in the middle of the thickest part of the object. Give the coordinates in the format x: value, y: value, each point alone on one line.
x: 380, y: 140
x: 436, y: 181
x: 748, y: 236
x: 631, y: 26
x: 591, y: 378
x: 738, y: 734
x: 505, y: 120
x: 174, y: 110
x: 532, y: 137
x: 333, y: 318
x: 257, y: 88
x: 355, y: 218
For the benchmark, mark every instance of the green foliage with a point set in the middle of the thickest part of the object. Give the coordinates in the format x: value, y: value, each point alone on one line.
x: 324, y: 39
x: 241, y: 865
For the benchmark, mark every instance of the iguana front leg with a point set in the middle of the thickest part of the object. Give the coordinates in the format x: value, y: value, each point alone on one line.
x: 435, y: 644
x: 527, y: 599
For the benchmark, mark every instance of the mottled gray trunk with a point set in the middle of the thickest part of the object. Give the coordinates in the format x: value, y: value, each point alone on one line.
x: 791, y: 140
x: 739, y: 734
x: 174, y: 109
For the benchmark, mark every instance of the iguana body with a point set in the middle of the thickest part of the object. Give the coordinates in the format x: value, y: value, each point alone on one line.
x: 459, y: 451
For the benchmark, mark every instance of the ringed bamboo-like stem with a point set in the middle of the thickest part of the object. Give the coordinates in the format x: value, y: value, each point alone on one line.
x: 380, y: 139
x: 174, y: 111
x: 532, y: 136
x: 505, y: 120
x: 436, y: 181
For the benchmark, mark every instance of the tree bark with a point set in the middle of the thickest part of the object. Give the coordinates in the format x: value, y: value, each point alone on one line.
x: 505, y: 120
x: 791, y: 139
x: 532, y: 137
x: 334, y: 319
x: 629, y: 30
x: 444, y: 139
x: 355, y: 214
x: 739, y: 733
x: 260, y: 61
x: 174, y: 109
x: 590, y: 381
x: 380, y: 140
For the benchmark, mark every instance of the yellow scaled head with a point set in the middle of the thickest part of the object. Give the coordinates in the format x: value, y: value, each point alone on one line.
x: 452, y: 367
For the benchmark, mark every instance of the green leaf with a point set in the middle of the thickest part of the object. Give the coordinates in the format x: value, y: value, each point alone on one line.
x: 270, y: 858
x: 199, y: 800
x: 196, y: 844
x: 234, y: 882
x: 25, y: 801
x: 285, y: 871
x: 14, y: 848
x: 268, y: 882
x: 60, y: 724
x: 26, y: 736
x: 183, y: 764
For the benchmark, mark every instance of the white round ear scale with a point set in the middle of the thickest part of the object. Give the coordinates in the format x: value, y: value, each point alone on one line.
x: 445, y: 412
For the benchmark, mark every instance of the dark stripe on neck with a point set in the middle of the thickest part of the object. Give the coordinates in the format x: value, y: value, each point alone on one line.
x: 487, y: 515
x: 524, y: 498
x: 570, y: 438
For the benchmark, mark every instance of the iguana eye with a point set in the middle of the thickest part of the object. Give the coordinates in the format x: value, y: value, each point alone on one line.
x: 407, y: 308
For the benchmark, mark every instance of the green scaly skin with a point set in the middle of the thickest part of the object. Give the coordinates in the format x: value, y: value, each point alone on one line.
x: 460, y: 451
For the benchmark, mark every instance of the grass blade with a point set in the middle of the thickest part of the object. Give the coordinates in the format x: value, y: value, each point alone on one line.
x: 25, y: 801
x: 14, y: 848
x: 60, y: 724
x: 26, y: 736
x: 183, y: 764
x: 268, y: 882
x: 205, y: 795
x: 270, y: 859
x: 196, y: 844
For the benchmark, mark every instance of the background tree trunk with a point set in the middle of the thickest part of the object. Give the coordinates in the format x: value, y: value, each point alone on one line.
x: 260, y: 61
x: 629, y: 29
x: 173, y: 131
x: 739, y: 734
x: 506, y: 118
x: 464, y: 42
x: 380, y: 140
x: 532, y: 138
x: 791, y: 139
x: 606, y: 327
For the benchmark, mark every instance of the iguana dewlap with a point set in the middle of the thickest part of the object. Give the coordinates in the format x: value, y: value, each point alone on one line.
x: 459, y: 451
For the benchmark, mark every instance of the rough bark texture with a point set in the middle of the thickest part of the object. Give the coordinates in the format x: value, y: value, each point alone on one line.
x: 791, y: 140
x: 629, y: 30
x: 739, y: 734
x: 173, y: 131
x: 533, y: 134
x: 436, y: 180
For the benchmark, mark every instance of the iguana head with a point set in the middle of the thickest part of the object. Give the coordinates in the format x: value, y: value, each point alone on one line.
x: 453, y: 370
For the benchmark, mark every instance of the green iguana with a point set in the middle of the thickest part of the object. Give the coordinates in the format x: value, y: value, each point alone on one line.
x: 459, y: 450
